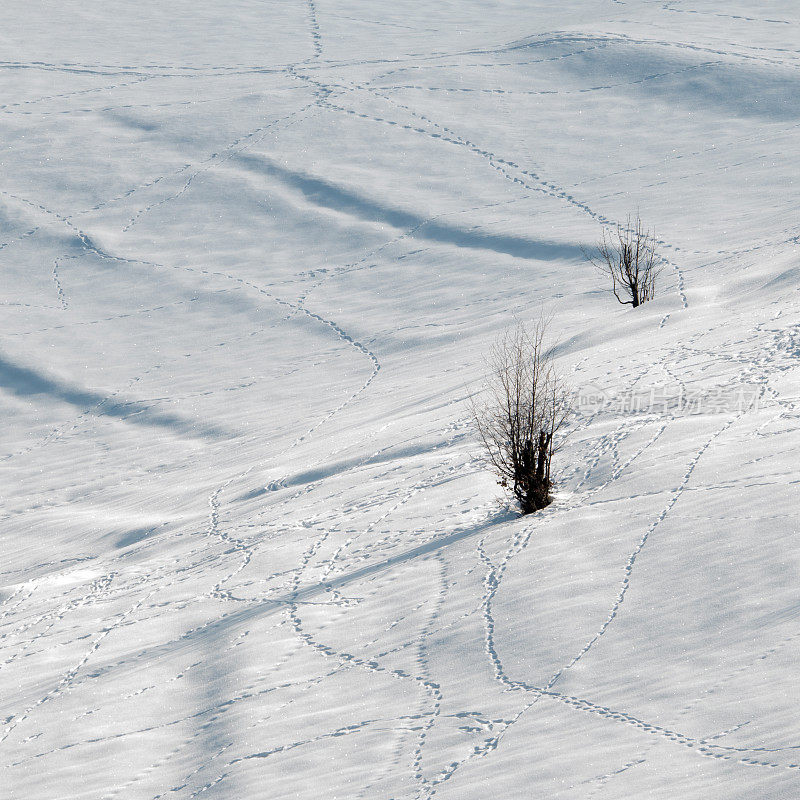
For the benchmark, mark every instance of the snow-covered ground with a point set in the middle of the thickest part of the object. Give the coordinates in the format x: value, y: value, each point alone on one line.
x: 253, y: 254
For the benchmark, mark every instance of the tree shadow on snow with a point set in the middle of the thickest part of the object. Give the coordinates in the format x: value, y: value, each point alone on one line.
x: 28, y: 383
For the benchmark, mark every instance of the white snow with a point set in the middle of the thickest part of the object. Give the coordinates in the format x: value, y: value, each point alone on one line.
x: 253, y: 254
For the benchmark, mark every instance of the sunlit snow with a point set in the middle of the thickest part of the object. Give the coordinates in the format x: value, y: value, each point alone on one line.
x: 253, y: 256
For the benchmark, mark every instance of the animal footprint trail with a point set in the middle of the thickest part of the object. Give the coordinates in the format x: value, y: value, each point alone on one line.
x: 67, y: 677
x: 508, y: 169
x: 215, y: 160
x: 629, y: 566
x: 379, y: 576
x: 534, y: 93
x: 91, y: 247
x: 316, y: 36
x: 10, y: 107
x: 62, y: 299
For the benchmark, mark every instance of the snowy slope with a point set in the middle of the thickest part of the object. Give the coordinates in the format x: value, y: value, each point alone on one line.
x: 252, y: 256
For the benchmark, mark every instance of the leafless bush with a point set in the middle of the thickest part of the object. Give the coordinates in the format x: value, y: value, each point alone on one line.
x: 628, y: 256
x: 519, y: 415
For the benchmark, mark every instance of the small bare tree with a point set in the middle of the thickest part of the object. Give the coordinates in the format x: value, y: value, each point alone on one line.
x: 629, y: 258
x: 520, y: 413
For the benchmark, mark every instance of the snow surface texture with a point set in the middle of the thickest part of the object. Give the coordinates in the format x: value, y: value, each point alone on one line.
x: 253, y: 254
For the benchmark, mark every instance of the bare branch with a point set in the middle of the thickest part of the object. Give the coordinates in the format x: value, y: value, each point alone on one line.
x: 519, y: 416
x: 629, y: 258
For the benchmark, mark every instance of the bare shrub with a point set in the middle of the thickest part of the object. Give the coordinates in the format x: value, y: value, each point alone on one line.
x: 520, y: 413
x: 628, y: 256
